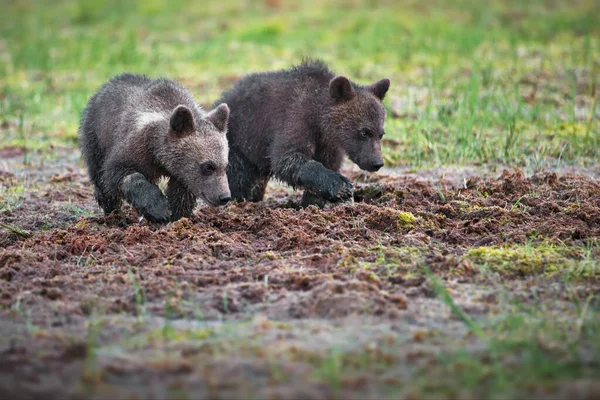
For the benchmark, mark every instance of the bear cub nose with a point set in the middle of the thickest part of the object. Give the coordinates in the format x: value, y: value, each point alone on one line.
x: 224, y: 199
x: 377, y: 166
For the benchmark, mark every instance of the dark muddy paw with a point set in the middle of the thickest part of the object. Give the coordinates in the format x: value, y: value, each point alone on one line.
x: 340, y: 189
x: 157, y: 211
x: 312, y: 199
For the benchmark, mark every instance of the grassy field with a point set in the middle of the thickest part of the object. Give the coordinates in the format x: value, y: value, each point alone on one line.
x: 447, y: 280
x: 506, y: 82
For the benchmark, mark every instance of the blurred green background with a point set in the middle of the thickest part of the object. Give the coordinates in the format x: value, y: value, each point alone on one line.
x: 473, y: 82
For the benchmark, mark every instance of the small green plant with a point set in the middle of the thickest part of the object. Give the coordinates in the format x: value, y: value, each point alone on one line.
x: 139, y: 295
x: 89, y: 258
x: 330, y: 370
x: 91, y: 369
x: 21, y: 232
x: 25, y: 315
x: 12, y: 197
x: 78, y: 211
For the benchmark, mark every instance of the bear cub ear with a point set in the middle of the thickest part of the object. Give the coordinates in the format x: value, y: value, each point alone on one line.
x: 380, y: 88
x: 182, y: 121
x: 340, y: 88
x: 219, y: 117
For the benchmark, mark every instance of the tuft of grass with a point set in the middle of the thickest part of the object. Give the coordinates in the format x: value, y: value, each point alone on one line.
x: 14, y: 229
x: 11, y: 197
x: 139, y: 295
x: 330, y: 370
x: 526, y: 346
x: 25, y: 315
x: 535, y: 353
x: 92, y: 371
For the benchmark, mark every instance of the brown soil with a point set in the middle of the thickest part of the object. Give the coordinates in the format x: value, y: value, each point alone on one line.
x: 275, y: 281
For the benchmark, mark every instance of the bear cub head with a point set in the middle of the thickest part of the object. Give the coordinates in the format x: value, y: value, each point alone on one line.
x: 355, y: 120
x: 196, y: 151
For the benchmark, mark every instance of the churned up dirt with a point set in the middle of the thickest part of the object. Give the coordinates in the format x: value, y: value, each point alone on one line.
x: 270, y: 300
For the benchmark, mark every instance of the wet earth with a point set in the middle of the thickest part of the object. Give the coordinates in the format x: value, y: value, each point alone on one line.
x: 270, y: 300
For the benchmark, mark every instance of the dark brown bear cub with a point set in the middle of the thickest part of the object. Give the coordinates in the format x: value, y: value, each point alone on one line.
x: 297, y: 125
x: 135, y: 130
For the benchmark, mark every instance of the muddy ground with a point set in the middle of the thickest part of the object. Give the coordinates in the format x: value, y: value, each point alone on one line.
x: 268, y: 300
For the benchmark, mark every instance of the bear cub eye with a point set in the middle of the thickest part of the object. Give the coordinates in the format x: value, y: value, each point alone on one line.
x: 207, y: 168
x: 366, y: 133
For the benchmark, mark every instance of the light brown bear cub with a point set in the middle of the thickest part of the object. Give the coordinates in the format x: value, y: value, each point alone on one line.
x: 136, y: 130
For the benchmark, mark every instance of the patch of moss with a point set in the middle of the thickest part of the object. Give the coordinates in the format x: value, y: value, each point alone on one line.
x: 542, y: 260
x: 374, y: 277
x: 519, y: 260
x: 460, y: 204
x: 406, y: 219
x: 569, y: 129
x: 82, y: 224
x: 269, y: 255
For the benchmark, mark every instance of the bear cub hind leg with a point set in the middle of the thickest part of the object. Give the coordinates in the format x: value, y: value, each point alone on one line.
x: 146, y: 198
x: 245, y: 181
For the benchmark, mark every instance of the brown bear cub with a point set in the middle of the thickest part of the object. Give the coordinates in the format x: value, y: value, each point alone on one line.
x: 135, y: 130
x: 297, y: 125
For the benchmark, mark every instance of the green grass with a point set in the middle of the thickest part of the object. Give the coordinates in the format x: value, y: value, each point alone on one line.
x: 472, y: 82
x: 527, y: 349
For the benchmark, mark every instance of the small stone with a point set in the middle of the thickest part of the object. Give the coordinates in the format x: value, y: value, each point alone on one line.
x: 52, y: 293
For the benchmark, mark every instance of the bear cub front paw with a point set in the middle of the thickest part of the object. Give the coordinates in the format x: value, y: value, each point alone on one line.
x: 155, y: 208
x: 339, y: 188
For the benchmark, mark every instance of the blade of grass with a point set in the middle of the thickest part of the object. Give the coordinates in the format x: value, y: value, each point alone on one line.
x: 14, y: 229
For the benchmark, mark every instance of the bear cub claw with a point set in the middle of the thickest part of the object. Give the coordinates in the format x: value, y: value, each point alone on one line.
x: 339, y: 189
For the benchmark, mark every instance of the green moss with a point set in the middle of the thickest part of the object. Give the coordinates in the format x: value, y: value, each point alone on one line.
x: 373, y: 277
x: 542, y: 260
x: 460, y: 204
x: 516, y: 259
x: 406, y: 219
x: 269, y: 255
